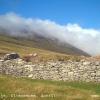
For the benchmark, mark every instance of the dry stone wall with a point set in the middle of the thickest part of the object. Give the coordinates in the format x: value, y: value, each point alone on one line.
x: 87, y: 71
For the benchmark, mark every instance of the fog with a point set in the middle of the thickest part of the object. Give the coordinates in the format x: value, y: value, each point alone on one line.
x: 85, y: 39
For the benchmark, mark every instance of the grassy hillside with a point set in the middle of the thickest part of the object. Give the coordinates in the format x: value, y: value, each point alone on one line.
x: 23, y: 47
x: 24, y: 89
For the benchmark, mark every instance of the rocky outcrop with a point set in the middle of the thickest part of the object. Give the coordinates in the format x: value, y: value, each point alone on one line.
x: 88, y: 71
x: 11, y: 56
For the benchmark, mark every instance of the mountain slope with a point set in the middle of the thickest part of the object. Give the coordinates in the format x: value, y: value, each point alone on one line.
x: 56, y: 46
x: 9, y: 43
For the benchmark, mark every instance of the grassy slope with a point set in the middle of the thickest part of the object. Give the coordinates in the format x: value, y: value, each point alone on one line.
x: 8, y: 44
x: 60, y: 90
x: 24, y: 47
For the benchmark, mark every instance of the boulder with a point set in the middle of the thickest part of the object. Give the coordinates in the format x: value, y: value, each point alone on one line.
x: 30, y: 57
x: 11, y: 56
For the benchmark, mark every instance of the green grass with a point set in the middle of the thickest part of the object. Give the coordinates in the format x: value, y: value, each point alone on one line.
x: 46, y: 89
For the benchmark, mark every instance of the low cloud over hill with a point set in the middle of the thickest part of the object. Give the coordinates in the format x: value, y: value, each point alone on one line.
x: 82, y: 38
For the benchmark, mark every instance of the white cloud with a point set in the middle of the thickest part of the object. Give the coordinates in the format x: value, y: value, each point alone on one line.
x: 83, y: 38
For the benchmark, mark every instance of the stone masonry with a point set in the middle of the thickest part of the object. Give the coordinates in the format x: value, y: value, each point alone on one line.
x: 87, y: 71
